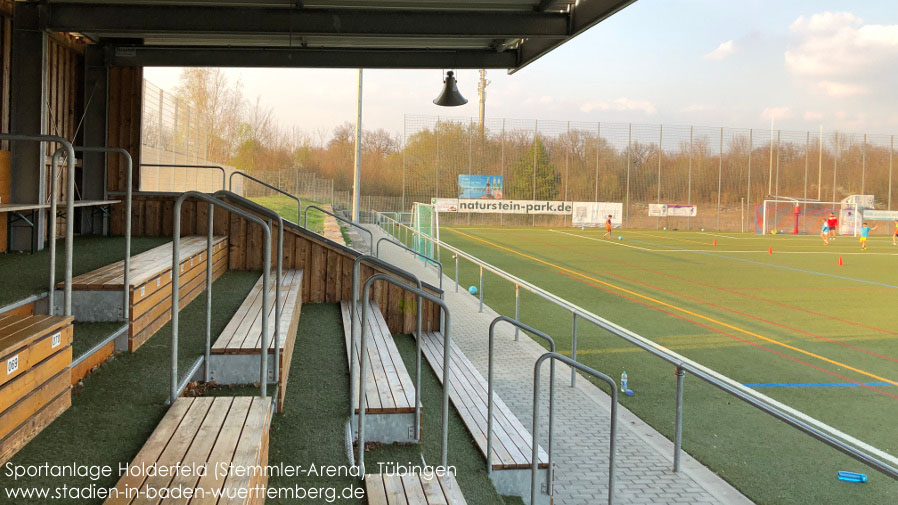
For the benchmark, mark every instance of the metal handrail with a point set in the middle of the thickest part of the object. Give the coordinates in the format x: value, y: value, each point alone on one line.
x: 305, y: 220
x: 280, y: 271
x: 554, y: 356
x: 70, y: 212
x: 269, y: 186
x: 426, y: 258
x: 353, y: 325
x: 224, y: 173
x: 490, y: 382
x: 176, y: 271
x: 363, y: 348
x: 129, y: 163
x: 796, y: 419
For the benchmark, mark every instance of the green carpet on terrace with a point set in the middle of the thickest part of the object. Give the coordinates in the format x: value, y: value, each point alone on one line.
x: 121, y: 403
x: 23, y: 274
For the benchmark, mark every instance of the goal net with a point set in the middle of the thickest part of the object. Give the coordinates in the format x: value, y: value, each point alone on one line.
x: 802, y: 217
x: 425, y: 221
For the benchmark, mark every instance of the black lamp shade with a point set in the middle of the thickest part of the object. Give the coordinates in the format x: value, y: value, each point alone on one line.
x: 450, y: 97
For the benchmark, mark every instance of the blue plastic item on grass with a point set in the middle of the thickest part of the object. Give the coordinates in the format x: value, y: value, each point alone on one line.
x: 472, y: 290
x: 852, y: 477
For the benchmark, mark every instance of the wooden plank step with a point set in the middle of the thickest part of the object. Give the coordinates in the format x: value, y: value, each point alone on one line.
x: 203, y: 431
x: 512, y: 442
x: 413, y: 489
x: 390, y: 388
x: 144, y: 266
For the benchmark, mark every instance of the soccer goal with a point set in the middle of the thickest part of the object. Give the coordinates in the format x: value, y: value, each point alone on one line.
x: 426, y: 221
x: 805, y: 217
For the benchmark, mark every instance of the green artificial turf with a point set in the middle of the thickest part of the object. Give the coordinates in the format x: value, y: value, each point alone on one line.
x: 312, y: 428
x: 24, y: 274
x: 87, y: 335
x: 286, y: 207
x: 792, y: 317
x: 121, y: 403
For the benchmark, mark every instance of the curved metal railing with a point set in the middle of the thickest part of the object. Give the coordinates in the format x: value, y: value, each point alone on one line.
x: 409, y: 249
x: 176, y: 271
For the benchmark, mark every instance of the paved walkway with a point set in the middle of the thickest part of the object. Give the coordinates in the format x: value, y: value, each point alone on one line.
x: 644, y: 459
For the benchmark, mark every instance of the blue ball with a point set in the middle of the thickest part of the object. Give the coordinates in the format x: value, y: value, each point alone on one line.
x: 620, y: 237
x: 472, y: 290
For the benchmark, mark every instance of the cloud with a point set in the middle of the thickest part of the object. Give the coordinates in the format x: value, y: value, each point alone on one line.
x: 813, y: 116
x: 776, y: 113
x: 723, y: 50
x: 695, y: 107
x: 838, y: 55
x: 621, y: 104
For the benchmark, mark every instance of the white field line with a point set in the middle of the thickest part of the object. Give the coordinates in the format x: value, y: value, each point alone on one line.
x: 753, y: 251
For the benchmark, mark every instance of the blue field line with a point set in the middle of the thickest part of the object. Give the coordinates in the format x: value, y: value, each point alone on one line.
x: 822, y: 274
x: 820, y: 385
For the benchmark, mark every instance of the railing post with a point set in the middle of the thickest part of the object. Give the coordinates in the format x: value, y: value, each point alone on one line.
x: 456, y: 272
x: 517, y: 310
x: 481, y: 289
x: 574, y: 350
x: 678, y: 436
x: 207, y: 371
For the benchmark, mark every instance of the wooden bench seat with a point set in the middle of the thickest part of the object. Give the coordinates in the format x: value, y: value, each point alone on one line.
x: 413, y: 489
x: 236, y: 350
x: 35, y: 384
x: 512, y: 442
x: 390, y: 389
x: 96, y: 294
x: 203, y: 431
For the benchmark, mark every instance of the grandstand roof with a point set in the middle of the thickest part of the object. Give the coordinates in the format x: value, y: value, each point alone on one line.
x: 319, y: 33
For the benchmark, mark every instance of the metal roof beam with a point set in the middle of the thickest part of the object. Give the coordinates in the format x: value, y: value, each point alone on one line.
x: 193, y: 56
x: 585, y: 15
x: 136, y: 19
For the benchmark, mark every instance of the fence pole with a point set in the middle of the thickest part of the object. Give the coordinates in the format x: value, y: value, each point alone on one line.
x: 689, y: 177
x: 820, y: 164
x: 807, y: 155
x: 660, y: 154
x: 535, y: 136
x: 891, y: 152
x: 502, y: 165
x: 678, y: 436
x: 567, y: 161
x: 436, y: 168
x: 864, y: 164
x: 574, y: 349
x: 598, y: 149
x: 456, y: 272
x: 836, y: 163
x: 629, y: 139
x: 719, y: 176
x: 750, y: 152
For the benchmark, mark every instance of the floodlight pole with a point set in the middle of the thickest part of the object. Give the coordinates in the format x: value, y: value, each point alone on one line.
x: 357, y: 174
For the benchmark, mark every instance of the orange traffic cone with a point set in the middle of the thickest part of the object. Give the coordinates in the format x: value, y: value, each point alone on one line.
x: 715, y: 242
x: 840, y: 261
x: 770, y: 250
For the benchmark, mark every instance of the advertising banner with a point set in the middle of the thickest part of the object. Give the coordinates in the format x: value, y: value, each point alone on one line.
x: 880, y: 215
x: 672, y: 210
x: 515, y: 206
x: 445, y: 204
x: 595, y: 213
x: 481, y: 187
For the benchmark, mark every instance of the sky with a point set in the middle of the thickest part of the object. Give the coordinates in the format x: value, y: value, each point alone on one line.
x: 802, y: 63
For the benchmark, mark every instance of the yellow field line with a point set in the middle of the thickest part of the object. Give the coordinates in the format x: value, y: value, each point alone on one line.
x: 685, y: 311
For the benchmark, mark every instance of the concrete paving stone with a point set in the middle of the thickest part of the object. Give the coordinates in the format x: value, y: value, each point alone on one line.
x: 643, y: 458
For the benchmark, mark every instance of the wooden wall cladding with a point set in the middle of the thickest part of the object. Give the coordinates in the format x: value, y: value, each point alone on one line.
x: 327, y: 267
x: 124, y: 111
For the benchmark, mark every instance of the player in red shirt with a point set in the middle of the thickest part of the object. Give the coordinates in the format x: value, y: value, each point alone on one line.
x: 832, y: 222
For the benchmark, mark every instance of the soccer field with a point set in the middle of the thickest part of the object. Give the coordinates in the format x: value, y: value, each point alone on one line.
x: 792, y: 324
